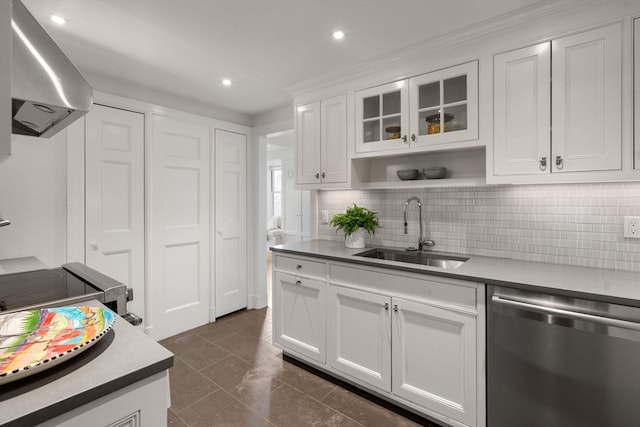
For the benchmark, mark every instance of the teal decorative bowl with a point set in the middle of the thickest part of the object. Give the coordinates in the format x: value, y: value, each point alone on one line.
x: 434, y: 173
x: 407, y: 174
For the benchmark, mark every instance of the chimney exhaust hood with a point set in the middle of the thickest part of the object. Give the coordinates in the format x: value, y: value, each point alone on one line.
x: 47, y: 91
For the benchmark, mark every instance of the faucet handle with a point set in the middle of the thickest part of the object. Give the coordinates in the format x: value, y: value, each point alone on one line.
x: 425, y: 243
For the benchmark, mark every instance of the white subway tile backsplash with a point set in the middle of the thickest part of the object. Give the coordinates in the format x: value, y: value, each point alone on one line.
x: 578, y: 224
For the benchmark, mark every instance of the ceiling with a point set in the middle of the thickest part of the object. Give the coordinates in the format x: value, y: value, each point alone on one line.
x: 185, y: 48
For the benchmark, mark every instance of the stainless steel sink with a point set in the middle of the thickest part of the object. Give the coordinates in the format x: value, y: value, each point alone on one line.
x: 414, y: 257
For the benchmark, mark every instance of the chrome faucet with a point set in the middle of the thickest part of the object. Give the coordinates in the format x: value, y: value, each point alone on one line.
x: 421, y: 242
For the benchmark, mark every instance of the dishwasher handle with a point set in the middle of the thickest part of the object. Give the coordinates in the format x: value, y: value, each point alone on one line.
x: 529, y: 306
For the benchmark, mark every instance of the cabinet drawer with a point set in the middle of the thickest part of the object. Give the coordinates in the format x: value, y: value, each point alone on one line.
x: 301, y: 266
x: 449, y: 292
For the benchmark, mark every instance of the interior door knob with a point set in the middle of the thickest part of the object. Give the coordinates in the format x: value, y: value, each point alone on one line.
x: 94, y: 245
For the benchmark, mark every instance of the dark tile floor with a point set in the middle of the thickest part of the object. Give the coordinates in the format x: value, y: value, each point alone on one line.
x: 227, y: 373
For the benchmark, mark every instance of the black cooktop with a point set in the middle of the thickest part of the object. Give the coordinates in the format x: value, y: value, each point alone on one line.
x: 33, y: 289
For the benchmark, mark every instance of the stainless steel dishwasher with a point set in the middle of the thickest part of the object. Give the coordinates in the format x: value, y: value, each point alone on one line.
x: 557, y: 361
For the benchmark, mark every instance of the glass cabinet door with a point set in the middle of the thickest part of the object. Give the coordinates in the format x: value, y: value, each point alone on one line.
x: 381, y: 119
x: 444, y: 105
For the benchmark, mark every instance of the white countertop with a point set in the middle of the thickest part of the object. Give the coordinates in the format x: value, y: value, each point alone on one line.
x: 607, y: 285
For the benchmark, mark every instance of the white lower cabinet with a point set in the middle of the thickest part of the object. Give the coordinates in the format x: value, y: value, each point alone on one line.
x: 413, y: 339
x: 359, y: 338
x: 299, y: 313
x: 434, y: 358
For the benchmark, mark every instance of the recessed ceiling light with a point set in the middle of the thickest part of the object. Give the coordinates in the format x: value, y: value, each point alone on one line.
x: 338, y: 35
x: 226, y: 82
x: 59, y: 19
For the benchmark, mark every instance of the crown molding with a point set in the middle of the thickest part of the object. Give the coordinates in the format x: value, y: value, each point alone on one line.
x: 493, y: 27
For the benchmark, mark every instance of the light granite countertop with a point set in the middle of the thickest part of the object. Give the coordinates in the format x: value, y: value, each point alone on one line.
x: 124, y: 356
x: 622, y: 287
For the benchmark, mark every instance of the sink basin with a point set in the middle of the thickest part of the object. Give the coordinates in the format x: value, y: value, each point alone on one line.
x: 413, y: 257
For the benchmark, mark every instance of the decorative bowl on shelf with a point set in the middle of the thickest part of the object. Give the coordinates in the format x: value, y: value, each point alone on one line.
x: 434, y: 173
x: 407, y: 174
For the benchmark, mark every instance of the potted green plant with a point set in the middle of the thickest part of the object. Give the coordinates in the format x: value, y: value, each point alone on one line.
x: 354, y: 222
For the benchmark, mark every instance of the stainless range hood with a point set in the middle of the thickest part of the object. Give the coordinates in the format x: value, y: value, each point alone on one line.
x: 47, y: 92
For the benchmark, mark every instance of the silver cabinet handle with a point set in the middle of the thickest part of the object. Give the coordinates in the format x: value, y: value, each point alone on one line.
x: 395, y: 307
x: 543, y: 163
x: 524, y: 305
x: 298, y: 282
x: 559, y: 162
x: 386, y: 306
x: 404, y: 138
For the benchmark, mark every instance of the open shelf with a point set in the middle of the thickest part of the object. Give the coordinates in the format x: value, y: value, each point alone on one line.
x: 465, y: 168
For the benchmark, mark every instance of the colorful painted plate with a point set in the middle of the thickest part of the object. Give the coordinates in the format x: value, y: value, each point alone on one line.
x: 34, y: 340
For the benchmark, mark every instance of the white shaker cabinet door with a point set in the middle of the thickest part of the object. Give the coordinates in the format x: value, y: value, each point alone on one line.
x: 587, y: 101
x: 308, y: 143
x: 299, y: 310
x: 333, y: 139
x: 522, y: 111
x: 360, y: 335
x: 434, y: 359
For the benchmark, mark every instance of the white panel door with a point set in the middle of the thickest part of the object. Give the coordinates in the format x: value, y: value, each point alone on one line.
x: 587, y: 101
x: 231, y: 222
x: 180, y: 226
x: 359, y: 336
x: 522, y: 111
x: 114, y: 211
x: 434, y: 359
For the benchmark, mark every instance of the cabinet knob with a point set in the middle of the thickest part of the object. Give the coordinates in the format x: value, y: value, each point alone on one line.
x: 298, y: 267
x: 386, y: 306
x: 559, y: 162
x: 395, y: 307
x: 413, y: 136
x: 543, y: 163
x: 298, y: 282
x: 404, y: 138
x: 323, y: 175
x: 317, y: 175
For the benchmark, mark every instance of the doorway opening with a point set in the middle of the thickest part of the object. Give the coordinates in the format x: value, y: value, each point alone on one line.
x: 288, y: 209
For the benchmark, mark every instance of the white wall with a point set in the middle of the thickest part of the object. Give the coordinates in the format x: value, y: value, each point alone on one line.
x: 33, y: 196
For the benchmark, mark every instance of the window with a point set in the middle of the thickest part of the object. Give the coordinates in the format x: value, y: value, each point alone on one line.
x: 276, y: 191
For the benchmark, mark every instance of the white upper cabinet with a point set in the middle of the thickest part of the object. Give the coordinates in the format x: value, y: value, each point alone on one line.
x: 522, y: 110
x: 321, y: 134
x: 444, y: 106
x: 382, y: 119
x: 587, y: 101
x: 573, y: 125
x: 427, y: 112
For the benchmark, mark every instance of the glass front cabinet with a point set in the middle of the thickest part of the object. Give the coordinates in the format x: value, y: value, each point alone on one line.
x: 429, y: 111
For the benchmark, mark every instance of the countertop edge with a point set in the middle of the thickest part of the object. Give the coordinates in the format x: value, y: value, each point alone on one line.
x: 88, y: 396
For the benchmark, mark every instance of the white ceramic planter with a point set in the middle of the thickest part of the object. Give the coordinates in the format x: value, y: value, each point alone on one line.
x: 356, y: 239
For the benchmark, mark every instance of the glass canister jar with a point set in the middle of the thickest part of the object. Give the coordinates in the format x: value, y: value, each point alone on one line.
x: 433, y: 123
x: 393, y: 132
